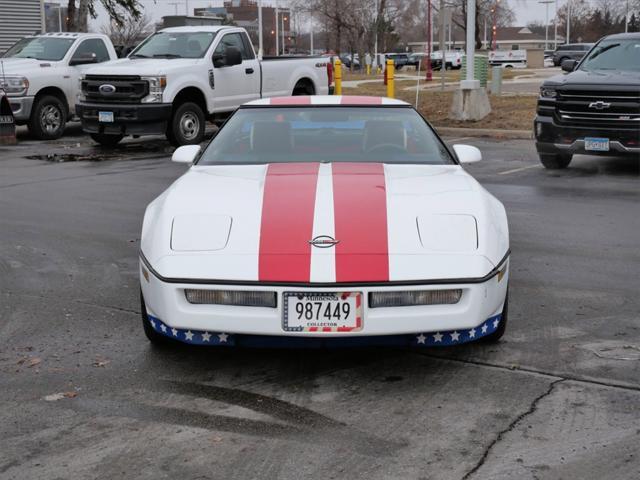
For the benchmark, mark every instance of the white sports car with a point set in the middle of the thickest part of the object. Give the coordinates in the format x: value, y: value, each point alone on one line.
x: 320, y: 221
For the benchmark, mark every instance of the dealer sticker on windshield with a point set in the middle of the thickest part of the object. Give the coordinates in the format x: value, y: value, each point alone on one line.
x: 322, y: 311
x: 594, y: 144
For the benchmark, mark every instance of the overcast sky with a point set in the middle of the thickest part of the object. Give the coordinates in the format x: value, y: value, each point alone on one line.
x: 526, y: 10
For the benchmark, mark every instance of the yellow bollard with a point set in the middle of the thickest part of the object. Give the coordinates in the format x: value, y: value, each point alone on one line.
x: 390, y: 72
x: 337, y: 66
x: 368, y: 69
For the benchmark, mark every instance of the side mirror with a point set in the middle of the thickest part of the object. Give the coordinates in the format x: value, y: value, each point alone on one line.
x: 185, y: 154
x: 83, y: 59
x: 568, y: 65
x: 231, y: 56
x: 467, y: 153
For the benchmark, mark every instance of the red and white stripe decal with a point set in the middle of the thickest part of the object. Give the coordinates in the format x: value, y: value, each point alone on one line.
x: 360, y: 210
x: 297, y: 100
x: 287, y: 222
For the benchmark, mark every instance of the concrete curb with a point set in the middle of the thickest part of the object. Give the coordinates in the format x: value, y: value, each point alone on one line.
x: 485, y: 132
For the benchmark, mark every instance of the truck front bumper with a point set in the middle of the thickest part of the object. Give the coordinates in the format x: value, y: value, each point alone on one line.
x: 21, y: 108
x: 128, y: 119
x: 553, y: 138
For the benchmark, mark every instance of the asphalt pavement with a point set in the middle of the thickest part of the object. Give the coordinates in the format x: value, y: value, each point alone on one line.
x: 84, y: 395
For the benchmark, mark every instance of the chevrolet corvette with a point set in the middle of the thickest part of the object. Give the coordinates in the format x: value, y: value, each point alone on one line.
x: 325, y: 221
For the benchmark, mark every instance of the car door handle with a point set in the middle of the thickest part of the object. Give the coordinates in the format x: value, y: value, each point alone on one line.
x: 248, y: 71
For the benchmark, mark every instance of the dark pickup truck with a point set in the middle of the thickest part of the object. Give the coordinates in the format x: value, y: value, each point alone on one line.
x: 595, y: 108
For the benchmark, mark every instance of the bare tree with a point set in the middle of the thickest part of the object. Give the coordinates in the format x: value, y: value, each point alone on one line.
x: 77, y: 16
x: 130, y: 32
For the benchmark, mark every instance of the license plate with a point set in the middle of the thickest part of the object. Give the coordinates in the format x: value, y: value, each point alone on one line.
x: 322, y: 312
x: 596, y: 144
x: 105, y: 117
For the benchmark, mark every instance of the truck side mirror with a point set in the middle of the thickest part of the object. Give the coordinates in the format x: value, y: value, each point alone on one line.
x: 83, y: 59
x: 231, y: 56
x: 569, y: 65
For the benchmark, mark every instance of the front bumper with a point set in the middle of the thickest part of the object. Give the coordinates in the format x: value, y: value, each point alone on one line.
x: 129, y: 119
x: 166, y: 303
x: 553, y: 138
x: 21, y: 108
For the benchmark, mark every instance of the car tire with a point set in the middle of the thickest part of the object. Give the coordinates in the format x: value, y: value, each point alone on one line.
x: 502, y: 327
x: 48, y: 118
x: 555, y: 161
x: 156, y: 339
x: 106, y: 140
x: 187, y: 125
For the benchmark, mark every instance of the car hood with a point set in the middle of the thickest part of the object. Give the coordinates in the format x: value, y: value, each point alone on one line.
x: 599, y: 78
x: 142, y: 66
x: 390, y: 222
x: 24, y: 66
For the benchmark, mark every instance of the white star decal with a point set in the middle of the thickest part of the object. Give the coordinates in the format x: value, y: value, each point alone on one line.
x: 206, y: 336
x: 153, y: 324
x: 495, y: 323
x: 437, y: 337
x: 223, y: 337
x: 472, y: 333
x: 484, y: 329
x: 189, y: 335
x: 174, y: 332
x: 455, y: 336
x: 421, y: 338
x: 163, y: 327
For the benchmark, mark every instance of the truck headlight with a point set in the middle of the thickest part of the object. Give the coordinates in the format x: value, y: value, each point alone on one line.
x: 156, y: 88
x: 548, y: 92
x: 81, y: 97
x: 14, y: 86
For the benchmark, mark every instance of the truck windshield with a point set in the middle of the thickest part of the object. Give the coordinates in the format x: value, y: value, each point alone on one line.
x: 326, y: 134
x: 622, y: 55
x: 174, y: 45
x: 40, y: 48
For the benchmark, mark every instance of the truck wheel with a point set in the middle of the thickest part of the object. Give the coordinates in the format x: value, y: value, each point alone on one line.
x: 502, y: 327
x: 555, y: 161
x: 48, y: 118
x: 106, y: 140
x: 187, y: 125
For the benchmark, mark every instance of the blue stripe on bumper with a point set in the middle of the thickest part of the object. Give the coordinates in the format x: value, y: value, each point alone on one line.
x: 423, y: 339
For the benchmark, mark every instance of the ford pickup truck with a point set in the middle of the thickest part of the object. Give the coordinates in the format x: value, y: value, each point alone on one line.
x: 40, y: 77
x: 595, y: 108
x: 178, y: 78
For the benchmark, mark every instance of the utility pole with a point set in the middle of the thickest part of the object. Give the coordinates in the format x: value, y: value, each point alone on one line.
x: 282, y: 20
x: 555, y: 28
x: 566, y: 40
x: 443, y: 48
x: 311, y: 35
x: 260, y: 45
x: 546, y: 22
x: 429, y: 40
x: 375, y: 47
x: 471, y: 42
x: 626, y: 19
x: 277, y: 32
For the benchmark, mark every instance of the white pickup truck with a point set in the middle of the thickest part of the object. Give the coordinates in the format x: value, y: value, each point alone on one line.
x: 40, y: 76
x: 179, y: 77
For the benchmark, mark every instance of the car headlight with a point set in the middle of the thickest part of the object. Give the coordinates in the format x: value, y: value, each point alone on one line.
x: 548, y: 92
x: 407, y: 298
x: 14, y: 86
x: 156, y: 88
x: 81, y: 97
x: 245, y: 298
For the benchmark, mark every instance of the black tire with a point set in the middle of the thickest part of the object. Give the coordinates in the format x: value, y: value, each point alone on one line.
x: 555, y: 161
x: 302, y: 89
x: 187, y: 125
x: 48, y: 118
x: 156, y: 339
x: 106, y: 140
x: 497, y: 335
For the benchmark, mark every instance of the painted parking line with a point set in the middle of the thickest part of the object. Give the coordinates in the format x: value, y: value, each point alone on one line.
x: 507, y: 172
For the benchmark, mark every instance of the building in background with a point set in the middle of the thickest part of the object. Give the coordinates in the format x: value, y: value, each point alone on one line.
x: 188, y: 21
x: 55, y: 17
x: 19, y: 18
x: 244, y: 13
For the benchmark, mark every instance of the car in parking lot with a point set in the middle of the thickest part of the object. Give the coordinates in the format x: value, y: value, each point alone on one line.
x: 595, y: 108
x: 322, y: 221
x: 570, y: 51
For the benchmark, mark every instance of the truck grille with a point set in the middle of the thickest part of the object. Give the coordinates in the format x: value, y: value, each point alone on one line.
x: 591, y: 108
x: 125, y: 88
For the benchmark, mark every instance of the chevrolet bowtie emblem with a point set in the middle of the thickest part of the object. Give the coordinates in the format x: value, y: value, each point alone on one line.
x: 324, y: 241
x: 599, y: 105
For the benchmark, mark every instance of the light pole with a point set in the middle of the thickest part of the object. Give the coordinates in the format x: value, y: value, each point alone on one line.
x: 277, y: 33
x: 429, y: 33
x: 546, y: 22
x: 555, y: 28
x: 566, y: 40
x: 260, y: 49
x: 375, y: 46
x: 283, y: 43
x: 626, y: 19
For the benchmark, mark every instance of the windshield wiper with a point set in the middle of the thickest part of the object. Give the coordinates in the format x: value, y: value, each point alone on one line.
x: 138, y: 55
x: 166, y: 55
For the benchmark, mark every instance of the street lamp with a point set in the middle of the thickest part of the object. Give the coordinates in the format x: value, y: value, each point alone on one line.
x: 546, y: 22
x: 429, y: 72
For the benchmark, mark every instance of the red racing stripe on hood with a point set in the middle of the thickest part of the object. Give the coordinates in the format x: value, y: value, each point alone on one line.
x: 287, y: 222
x: 360, y: 211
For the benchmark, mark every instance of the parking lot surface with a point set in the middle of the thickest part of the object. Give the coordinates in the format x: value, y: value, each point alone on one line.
x: 84, y: 395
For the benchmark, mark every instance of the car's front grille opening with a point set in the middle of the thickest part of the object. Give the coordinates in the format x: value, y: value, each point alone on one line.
x: 244, y: 298
x: 406, y: 298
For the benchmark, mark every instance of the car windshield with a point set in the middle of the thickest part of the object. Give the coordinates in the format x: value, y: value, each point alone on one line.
x: 622, y: 55
x: 256, y: 135
x: 174, y: 45
x: 40, y: 48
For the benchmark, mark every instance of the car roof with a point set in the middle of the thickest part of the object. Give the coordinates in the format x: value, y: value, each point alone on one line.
x: 197, y: 28
x: 68, y: 35
x: 343, y: 100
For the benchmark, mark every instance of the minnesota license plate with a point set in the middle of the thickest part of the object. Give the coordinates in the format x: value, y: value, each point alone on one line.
x: 596, y: 144
x: 105, y: 117
x: 322, y: 312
